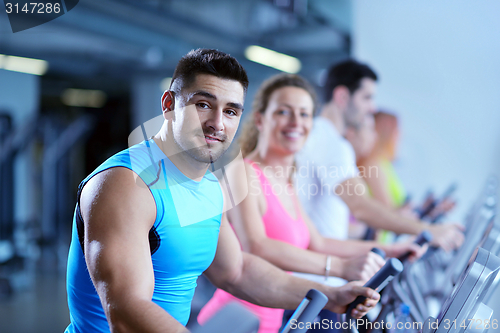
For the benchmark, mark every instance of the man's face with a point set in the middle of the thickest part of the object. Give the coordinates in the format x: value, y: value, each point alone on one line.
x: 361, y: 101
x: 207, y: 115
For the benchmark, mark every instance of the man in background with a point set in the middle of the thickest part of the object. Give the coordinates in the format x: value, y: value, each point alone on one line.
x: 328, y: 182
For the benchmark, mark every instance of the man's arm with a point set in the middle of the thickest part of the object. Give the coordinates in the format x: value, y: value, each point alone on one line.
x: 255, y: 280
x: 118, y: 211
x: 375, y: 214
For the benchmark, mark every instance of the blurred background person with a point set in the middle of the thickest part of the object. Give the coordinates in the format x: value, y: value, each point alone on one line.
x: 362, y: 136
x: 384, y: 183
x: 331, y: 188
x: 376, y: 145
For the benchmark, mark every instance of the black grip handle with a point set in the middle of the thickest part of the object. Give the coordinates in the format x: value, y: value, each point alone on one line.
x: 438, y: 218
x: 306, y: 312
x: 449, y: 191
x: 378, y: 282
x: 423, y: 214
x: 378, y: 251
x: 424, y: 237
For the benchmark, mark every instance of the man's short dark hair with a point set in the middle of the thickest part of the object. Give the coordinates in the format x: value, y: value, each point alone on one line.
x: 207, y: 61
x: 348, y: 73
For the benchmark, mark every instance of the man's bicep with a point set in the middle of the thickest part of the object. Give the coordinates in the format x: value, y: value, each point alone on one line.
x: 228, y: 262
x: 118, y: 213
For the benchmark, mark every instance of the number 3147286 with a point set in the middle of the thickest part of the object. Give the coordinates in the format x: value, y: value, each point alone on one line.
x: 33, y: 8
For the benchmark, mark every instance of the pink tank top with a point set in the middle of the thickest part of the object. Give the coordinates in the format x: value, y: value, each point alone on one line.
x: 279, y: 225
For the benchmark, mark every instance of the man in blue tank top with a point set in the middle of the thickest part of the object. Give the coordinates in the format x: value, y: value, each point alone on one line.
x: 150, y: 219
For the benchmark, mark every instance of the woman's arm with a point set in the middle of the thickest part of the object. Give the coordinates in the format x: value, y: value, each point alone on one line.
x: 355, y: 258
x: 246, y: 219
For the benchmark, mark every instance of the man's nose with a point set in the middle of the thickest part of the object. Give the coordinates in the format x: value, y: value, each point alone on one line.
x: 215, y: 120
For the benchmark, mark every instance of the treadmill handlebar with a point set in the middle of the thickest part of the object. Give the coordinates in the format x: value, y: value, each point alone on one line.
x: 424, y: 238
x: 446, y: 195
x: 378, y: 251
x: 378, y: 282
x: 306, y: 312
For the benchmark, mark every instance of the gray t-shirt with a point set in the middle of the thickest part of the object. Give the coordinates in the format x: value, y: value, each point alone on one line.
x: 326, y: 160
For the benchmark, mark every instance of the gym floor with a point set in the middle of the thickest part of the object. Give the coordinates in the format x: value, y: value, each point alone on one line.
x: 40, y: 309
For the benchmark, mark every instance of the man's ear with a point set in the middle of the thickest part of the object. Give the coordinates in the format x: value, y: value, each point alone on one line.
x: 167, y: 101
x: 341, y: 96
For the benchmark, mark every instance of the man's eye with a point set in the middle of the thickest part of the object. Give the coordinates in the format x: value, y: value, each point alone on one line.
x: 304, y: 115
x: 282, y: 112
x: 203, y: 105
x: 231, y: 112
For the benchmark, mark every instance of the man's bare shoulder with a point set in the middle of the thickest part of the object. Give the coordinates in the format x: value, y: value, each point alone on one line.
x: 117, y: 193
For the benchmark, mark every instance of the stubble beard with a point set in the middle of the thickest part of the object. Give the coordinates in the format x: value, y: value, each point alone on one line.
x: 352, y: 115
x: 202, y: 153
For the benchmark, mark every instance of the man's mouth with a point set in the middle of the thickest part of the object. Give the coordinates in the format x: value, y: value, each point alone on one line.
x: 212, y: 139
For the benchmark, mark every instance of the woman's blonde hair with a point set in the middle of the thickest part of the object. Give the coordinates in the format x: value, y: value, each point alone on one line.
x: 249, y: 136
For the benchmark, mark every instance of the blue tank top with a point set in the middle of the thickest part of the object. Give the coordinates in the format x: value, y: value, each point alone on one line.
x: 183, y: 239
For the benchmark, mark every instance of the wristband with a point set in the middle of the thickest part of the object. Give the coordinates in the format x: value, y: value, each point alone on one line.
x: 328, y: 266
